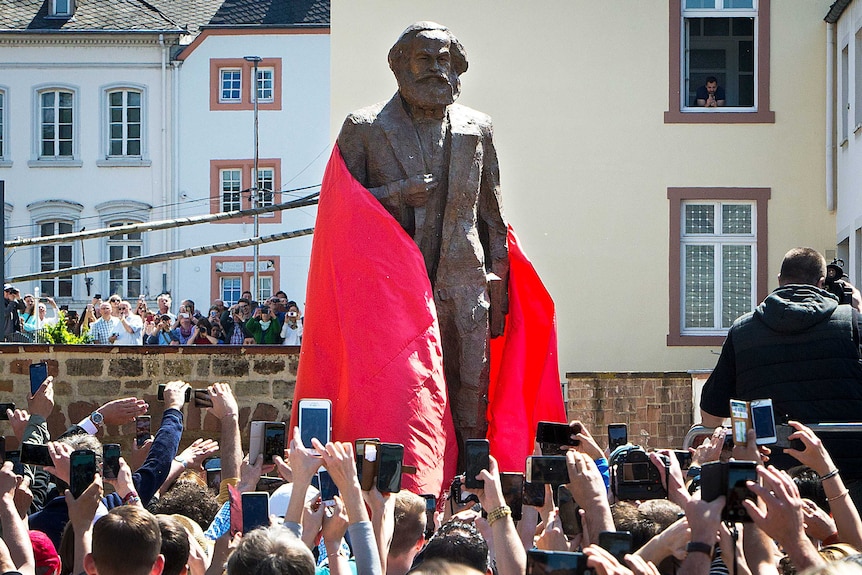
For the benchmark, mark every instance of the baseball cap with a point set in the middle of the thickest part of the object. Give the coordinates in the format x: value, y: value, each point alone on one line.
x: 9, y: 287
x: 44, y: 552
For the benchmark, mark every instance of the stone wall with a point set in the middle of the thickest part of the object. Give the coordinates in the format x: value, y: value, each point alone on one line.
x: 656, y: 406
x: 85, y: 377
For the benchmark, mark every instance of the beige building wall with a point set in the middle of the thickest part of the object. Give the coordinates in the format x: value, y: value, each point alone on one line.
x: 578, y: 90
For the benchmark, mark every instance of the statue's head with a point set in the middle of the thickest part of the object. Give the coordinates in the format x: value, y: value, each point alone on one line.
x: 427, y: 61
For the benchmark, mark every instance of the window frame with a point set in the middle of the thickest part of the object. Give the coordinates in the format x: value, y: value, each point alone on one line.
x: 125, y: 243
x: 55, y: 210
x: 262, y: 70
x: 54, y: 12
x: 269, y: 272
x: 5, y: 157
x: 246, y: 100
x: 221, y: 98
x: 677, y: 197
x: 679, y: 113
x: 223, y: 204
x: 246, y: 167
x: 37, y: 159
x: 108, y: 159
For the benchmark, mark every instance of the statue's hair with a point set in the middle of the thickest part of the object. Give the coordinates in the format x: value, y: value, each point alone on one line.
x: 459, y: 55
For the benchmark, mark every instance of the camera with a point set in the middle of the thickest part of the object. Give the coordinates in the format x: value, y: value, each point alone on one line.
x: 835, y: 283
x: 633, y: 475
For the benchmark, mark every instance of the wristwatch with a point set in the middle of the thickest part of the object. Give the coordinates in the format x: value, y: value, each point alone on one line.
x: 699, y: 547
x: 97, y: 418
x: 693, y: 472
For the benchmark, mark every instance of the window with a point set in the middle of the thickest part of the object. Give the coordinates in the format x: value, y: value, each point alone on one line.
x: 231, y: 85
x: 231, y: 183
x: 265, y: 84
x: 231, y: 275
x: 265, y: 186
x: 717, y: 259
x: 124, y: 123
x: 231, y: 186
x: 55, y: 257
x: 727, y: 40
x: 2, y: 124
x: 61, y: 7
x: 231, y: 290
x: 56, y: 124
x: 125, y: 281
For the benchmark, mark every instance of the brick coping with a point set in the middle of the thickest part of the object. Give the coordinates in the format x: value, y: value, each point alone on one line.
x: 87, y: 349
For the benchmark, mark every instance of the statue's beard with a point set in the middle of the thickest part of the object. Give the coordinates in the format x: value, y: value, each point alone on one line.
x: 430, y: 91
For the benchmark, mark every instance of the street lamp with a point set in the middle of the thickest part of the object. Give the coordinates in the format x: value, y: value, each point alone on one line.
x: 254, y: 190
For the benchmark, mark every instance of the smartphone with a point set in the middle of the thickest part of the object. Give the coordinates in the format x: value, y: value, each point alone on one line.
x: 2, y: 449
x: 547, y: 469
x: 617, y: 543
x: 202, y: 398
x: 684, y: 458
x: 554, y: 437
x: 38, y: 375
x: 478, y: 452
x: 142, y: 429
x: 569, y: 515
x: 33, y: 454
x: 763, y: 421
x: 160, y: 393
x: 97, y: 296
x: 390, y: 460
x: 513, y: 492
x: 533, y: 494
x: 555, y: 563
x: 214, y: 478
x: 255, y: 511
x: 3, y: 408
x: 315, y: 420
x: 366, y: 461
x: 15, y: 458
x: 111, y: 460
x: 738, y: 472
x: 430, y: 511
x: 266, y: 438
x: 82, y: 470
x: 618, y: 434
x: 782, y: 438
x: 213, y: 463
x: 327, y: 487
x: 740, y: 421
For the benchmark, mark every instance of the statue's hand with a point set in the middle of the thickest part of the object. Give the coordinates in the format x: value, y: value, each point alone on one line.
x: 415, y: 190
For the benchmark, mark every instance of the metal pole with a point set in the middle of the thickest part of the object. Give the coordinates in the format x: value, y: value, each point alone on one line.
x: 255, y: 291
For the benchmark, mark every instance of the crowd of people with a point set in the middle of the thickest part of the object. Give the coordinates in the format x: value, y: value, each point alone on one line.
x: 158, y: 513
x: 115, y: 321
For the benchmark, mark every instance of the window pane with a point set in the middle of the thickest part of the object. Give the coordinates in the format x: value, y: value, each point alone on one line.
x: 116, y: 98
x: 134, y: 99
x: 47, y: 288
x: 696, y: 4
x: 47, y: 229
x: 64, y: 227
x: 65, y: 99
x: 64, y: 288
x: 736, y: 283
x: 116, y: 253
x: 134, y: 272
x: 134, y: 251
x: 699, y: 286
x: 743, y: 27
x: 65, y: 256
x: 699, y: 219
x: 736, y: 219
x: 134, y: 148
x: 738, y: 4
x: 46, y: 254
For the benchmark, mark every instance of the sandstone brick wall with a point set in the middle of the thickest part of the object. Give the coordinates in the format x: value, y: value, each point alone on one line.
x: 656, y: 406
x: 85, y: 377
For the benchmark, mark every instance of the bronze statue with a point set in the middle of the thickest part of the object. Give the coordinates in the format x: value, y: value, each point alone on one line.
x: 431, y: 163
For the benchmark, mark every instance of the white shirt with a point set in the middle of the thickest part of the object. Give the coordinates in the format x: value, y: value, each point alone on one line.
x: 126, y: 338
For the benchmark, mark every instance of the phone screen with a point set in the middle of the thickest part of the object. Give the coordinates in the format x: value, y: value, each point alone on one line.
x: 390, y: 458
x: 570, y: 518
x: 557, y: 433
x: 314, y: 422
x: 618, y: 434
x: 82, y: 471
x: 430, y: 511
x: 555, y: 562
x: 513, y: 489
x: 328, y: 490
x: 15, y: 458
x: 273, y: 441
x: 548, y: 469
x: 534, y: 494
x: 617, y: 543
x: 763, y: 420
x: 142, y: 429
x: 33, y: 454
x: 477, y: 459
x: 255, y: 511
x: 38, y: 375
x: 214, y: 478
x: 3, y: 408
x: 110, y: 460
x: 738, y: 472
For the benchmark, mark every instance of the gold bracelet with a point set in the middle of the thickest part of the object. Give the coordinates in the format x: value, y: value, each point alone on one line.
x: 839, y: 496
x: 498, y: 513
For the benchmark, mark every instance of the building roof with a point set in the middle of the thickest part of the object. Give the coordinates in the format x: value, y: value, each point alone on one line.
x: 272, y: 13
x: 836, y: 10
x: 90, y: 16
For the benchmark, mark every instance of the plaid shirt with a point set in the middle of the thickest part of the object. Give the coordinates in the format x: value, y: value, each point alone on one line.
x: 101, y: 330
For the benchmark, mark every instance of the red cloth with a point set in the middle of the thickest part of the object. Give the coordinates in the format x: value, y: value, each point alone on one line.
x: 371, y: 342
x: 525, y: 379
